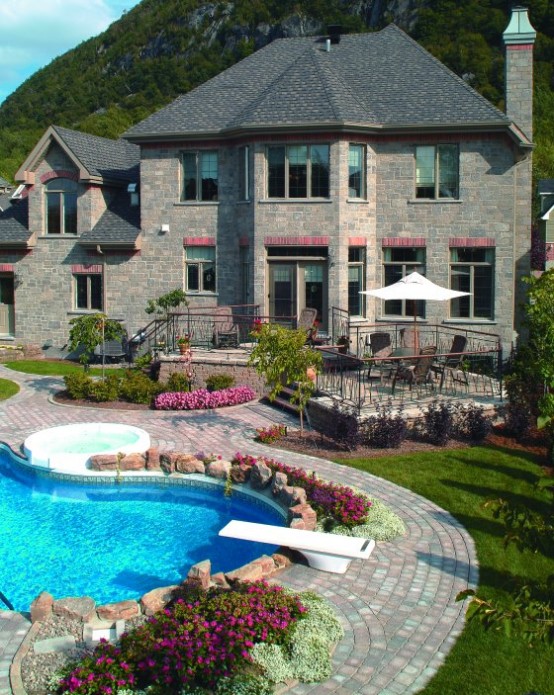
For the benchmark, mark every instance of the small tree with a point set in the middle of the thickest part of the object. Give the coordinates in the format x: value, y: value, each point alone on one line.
x: 162, y: 305
x: 282, y: 357
x: 87, y: 332
x: 540, y: 320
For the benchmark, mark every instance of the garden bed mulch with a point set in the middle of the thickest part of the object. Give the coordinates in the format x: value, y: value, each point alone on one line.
x: 316, y: 444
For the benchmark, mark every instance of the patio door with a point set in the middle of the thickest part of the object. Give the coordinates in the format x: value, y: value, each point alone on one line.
x: 293, y: 286
x: 7, y: 309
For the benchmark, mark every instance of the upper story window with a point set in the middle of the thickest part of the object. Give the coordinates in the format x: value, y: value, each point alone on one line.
x: 472, y: 270
x: 437, y: 171
x: 356, y: 171
x: 200, y: 175
x: 200, y: 268
x: 399, y: 262
x: 298, y: 171
x: 61, y: 206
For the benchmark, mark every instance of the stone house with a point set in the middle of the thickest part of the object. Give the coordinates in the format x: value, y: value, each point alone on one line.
x: 311, y: 170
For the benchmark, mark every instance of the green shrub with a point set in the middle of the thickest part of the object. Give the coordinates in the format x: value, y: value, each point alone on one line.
x: 104, y: 390
x: 143, y: 361
x: 78, y: 385
x: 216, y: 382
x: 136, y: 387
x: 177, y: 382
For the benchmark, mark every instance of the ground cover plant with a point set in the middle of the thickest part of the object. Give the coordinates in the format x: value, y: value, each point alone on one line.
x: 7, y: 389
x: 461, y: 481
x: 242, y: 640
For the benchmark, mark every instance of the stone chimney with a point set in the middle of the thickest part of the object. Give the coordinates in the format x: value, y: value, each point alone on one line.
x: 519, y: 38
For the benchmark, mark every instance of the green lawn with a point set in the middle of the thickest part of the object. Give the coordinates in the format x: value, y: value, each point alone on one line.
x: 481, y: 663
x: 54, y: 367
x: 7, y: 389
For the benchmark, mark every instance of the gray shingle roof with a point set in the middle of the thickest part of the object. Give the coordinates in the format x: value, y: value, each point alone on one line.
x: 14, y: 221
x: 118, y: 226
x: 382, y: 79
x: 4, y: 183
x: 110, y: 159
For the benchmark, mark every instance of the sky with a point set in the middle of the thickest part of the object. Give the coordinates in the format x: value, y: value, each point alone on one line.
x: 34, y: 32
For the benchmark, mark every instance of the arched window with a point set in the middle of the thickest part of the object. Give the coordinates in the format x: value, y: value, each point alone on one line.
x: 61, y: 206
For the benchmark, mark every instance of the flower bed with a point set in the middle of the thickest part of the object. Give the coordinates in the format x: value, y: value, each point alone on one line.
x: 338, y: 503
x: 222, y: 641
x: 202, y: 399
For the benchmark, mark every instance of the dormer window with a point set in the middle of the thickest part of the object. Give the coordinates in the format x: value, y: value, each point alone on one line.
x: 61, y: 206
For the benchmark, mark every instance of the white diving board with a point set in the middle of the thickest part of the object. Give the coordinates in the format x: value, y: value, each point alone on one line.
x: 323, y: 551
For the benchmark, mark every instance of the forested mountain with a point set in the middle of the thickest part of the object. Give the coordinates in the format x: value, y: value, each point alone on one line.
x: 163, y: 48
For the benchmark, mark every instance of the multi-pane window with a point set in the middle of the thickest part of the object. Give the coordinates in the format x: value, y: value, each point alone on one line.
x: 472, y: 270
x: 356, y: 275
x: 200, y: 268
x: 298, y: 171
x: 200, y: 175
x: 398, y: 262
x: 437, y: 171
x: 244, y: 186
x: 88, y: 291
x: 356, y: 171
x: 61, y: 206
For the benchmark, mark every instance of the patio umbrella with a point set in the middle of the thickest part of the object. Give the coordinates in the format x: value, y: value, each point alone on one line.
x: 415, y: 287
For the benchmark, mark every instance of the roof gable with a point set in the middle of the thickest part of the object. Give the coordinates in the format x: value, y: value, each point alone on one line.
x: 97, y: 159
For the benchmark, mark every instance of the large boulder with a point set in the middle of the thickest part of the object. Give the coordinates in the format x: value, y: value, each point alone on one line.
x: 302, y: 516
x: 218, y: 469
x: 291, y: 496
x: 132, y: 462
x: 157, y: 599
x: 121, y: 610
x: 199, y: 575
x: 260, y: 475
x: 240, y: 473
x: 280, y: 480
x: 187, y: 463
x: 153, y: 459
x: 103, y: 462
x: 81, y: 608
x: 41, y: 607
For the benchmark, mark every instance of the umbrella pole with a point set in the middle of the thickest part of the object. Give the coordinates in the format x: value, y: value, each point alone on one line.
x: 416, y: 335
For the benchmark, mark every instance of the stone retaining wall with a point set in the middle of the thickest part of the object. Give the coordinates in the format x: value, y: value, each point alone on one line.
x: 203, y: 367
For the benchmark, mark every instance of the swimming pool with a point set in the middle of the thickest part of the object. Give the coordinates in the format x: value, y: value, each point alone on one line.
x: 112, y: 542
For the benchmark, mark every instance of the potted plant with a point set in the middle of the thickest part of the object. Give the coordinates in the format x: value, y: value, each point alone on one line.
x: 183, y: 343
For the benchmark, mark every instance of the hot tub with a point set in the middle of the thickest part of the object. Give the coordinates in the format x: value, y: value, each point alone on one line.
x: 69, y: 447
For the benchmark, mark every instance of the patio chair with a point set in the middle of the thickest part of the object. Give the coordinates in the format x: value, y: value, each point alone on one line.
x: 380, y: 347
x: 306, y: 320
x: 452, y: 362
x: 417, y: 373
x: 226, y: 331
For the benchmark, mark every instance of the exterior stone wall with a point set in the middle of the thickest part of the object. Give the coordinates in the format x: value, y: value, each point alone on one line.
x: 244, y: 375
x: 494, y: 204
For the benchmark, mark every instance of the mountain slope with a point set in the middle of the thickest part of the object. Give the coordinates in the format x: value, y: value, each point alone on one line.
x: 163, y: 48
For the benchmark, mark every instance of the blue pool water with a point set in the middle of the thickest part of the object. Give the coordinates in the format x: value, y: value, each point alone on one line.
x: 112, y: 542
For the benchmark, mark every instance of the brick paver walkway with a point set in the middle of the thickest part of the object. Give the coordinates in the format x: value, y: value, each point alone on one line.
x: 397, y: 608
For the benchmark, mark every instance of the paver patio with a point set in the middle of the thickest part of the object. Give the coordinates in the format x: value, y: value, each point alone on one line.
x: 397, y: 608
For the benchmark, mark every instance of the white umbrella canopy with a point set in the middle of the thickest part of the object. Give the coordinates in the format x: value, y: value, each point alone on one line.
x: 415, y: 287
